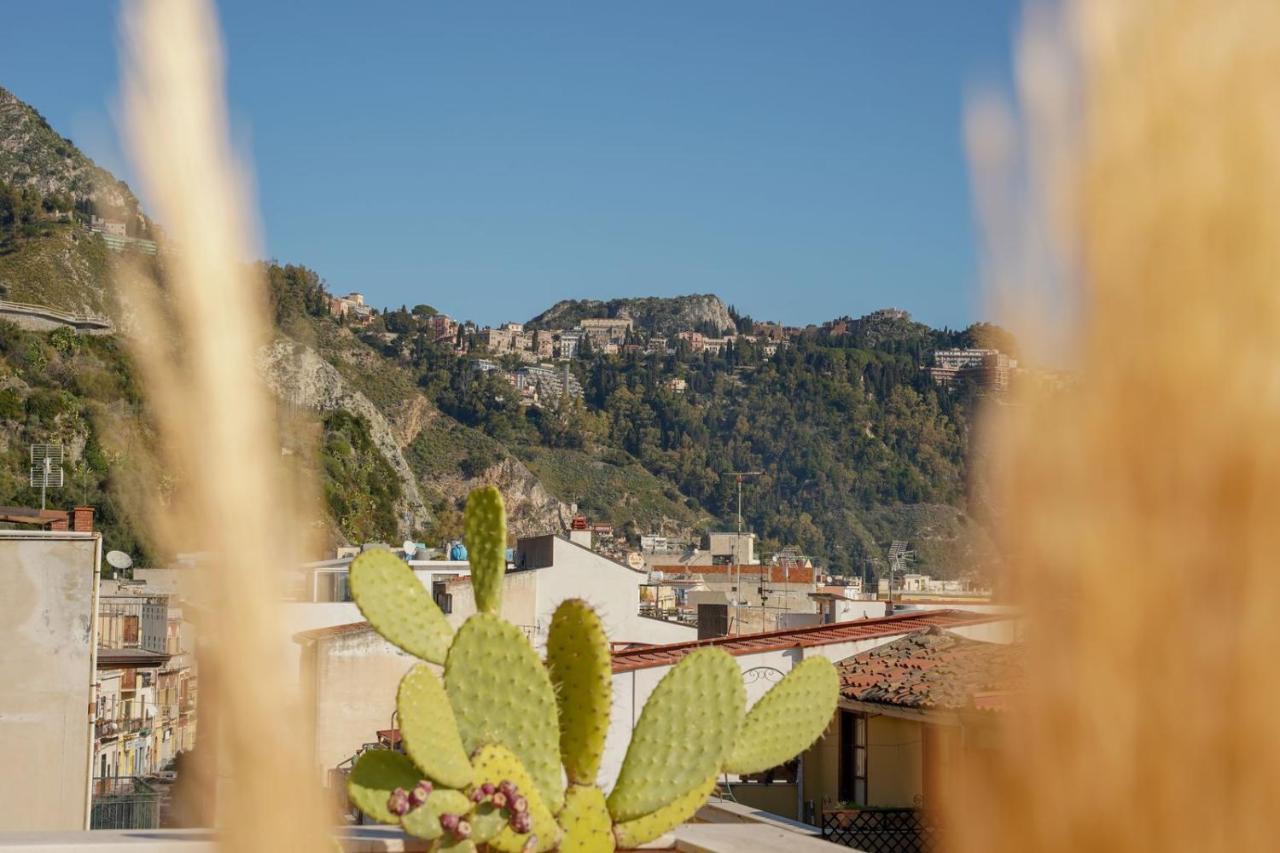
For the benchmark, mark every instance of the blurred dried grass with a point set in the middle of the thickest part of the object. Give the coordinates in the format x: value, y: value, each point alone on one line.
x: 1133, y: 202
x: 198, y: 340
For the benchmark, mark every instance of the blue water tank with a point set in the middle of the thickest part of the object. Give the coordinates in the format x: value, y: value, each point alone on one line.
x: 458, y: 551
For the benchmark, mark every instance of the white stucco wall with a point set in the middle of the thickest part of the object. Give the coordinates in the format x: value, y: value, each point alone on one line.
x: 46, y: 675
x: 530, y: 598
x: 611, y: 588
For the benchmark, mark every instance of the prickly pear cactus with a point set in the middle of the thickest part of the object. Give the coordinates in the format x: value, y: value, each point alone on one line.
x: 489, y: 748
x: 484, y: 530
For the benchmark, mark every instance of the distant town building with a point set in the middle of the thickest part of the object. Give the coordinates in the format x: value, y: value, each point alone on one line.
x: 545, y: 382
x: 351, y: 307
x: 442, y: 327
x: 606, y: 332
x: 107, y: 226
x: 988, y: 368
x: 116, y: 235
x: 567, y: 344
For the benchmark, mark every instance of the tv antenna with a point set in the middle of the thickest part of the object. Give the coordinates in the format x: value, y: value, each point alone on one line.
x: 46, y: 468
x: 737, y: 540
x: 899, y: 557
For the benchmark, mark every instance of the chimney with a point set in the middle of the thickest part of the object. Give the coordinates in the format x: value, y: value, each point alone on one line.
x: 82, y: 519
x: 59, y: 523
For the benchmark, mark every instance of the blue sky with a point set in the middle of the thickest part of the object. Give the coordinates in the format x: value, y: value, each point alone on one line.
x: 802, y: 160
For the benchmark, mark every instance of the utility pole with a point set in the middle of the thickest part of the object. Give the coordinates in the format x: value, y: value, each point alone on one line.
x: 737, y: 564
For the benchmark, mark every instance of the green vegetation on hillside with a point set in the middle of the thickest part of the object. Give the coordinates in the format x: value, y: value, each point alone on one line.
x: 78, y: 391
x: 360, y: 488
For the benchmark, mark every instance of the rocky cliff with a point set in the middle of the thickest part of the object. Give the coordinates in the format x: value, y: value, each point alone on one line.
x: 653, y: 314
x: 33, y: 154
x: 299, y: 376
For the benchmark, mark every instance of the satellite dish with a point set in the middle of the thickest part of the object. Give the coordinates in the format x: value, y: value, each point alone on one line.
x: 119, y: 560
x: 409, y: 547
x: 635, y: 560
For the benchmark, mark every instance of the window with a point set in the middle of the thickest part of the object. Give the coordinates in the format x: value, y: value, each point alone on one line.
x: 444, y: 600
x: 853, y: 757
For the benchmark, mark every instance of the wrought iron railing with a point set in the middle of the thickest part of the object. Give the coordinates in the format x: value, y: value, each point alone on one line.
x: 124, y: 802
x: 881, y: 830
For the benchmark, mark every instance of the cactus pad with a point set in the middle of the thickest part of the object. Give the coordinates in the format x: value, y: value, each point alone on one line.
x: 424, y: 821
x: 398, y: 606
x: 493, y: 764
x: 787, y: 719
x: 430, y: 733
x: 686, y: 730
x: 642, y: 830
x: 501, y: 695
x: 484, y: 530
x: 376, y: 774
x: 486, y: 822
x: 585, y: 821
x: 581, y: 670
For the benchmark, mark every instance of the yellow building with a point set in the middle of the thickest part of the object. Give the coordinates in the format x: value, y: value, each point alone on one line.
x: 912, y: 713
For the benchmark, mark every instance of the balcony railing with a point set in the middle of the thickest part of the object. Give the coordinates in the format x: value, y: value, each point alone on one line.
x: 876, y: 830
x: 124, y: 802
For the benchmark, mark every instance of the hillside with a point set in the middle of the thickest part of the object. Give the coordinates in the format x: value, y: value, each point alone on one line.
x: 856, y: 444
x: 651, y: 314
x: 33, y: 155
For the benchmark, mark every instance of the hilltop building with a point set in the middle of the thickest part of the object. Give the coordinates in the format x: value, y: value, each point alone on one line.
x: 606, y: 333
x: 351, y: 307
x: 988, y: 368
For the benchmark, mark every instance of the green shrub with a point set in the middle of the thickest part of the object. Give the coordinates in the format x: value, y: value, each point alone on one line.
x: 11, y: 404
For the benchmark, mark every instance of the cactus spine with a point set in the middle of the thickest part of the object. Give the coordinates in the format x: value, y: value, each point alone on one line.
x: 487, y: 747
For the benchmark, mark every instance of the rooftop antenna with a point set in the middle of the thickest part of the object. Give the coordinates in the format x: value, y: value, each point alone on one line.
x: 46, y: 468
x: 737, y: 565
x: 899, y: 556
x: 119, y: 561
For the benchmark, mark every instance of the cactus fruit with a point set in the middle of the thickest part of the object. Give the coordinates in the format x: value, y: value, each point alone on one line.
x: 496, y: 764
x: 490, y: 747
x: 501, y: 695
x: 787, y: 719
x: 427, y: 820
x: 429, y: 730
x: 398, y: 606
x: 376, y: 775
x: 484, y: 530
x: 684, y: 734
x: 581, y: 669
x: 642, y: 830
x: 585, y: 821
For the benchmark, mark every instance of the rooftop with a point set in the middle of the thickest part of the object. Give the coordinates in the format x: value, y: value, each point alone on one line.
x: 130, y: 657
x: 934, y: 668
x: 776, y: 574
x: 331, y: 631
x: 816, y: 635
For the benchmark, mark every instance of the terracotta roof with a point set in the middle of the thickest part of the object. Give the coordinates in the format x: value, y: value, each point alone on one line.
x: 330, y: 631
x: 816, y: 635
x: 28, y: 515
x: 934, y: 669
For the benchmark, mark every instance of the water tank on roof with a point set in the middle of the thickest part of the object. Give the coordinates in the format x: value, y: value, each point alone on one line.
x: 457, y: 551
